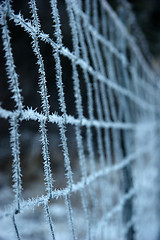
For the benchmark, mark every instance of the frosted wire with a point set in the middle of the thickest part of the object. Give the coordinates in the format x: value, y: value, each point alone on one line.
x: 136, y: 94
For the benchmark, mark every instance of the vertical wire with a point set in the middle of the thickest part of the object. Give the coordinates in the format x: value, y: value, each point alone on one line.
x: 40, y: 62
x: 48, y: 215
x: 78, y: 101
x: 70, y: 216
x: 91, y: 117
x: 61, y: 94
x: 16, y: 92
x: 16, y: 228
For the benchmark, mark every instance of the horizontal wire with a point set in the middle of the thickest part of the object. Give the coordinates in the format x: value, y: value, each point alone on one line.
x: 30, y: 114
x: 79, y: 61
x: 58, y: 193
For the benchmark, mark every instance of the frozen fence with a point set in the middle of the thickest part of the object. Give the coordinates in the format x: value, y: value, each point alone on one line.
x: 110, y: 186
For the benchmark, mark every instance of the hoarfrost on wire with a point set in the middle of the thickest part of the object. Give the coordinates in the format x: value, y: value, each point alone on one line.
x: 115, y: 168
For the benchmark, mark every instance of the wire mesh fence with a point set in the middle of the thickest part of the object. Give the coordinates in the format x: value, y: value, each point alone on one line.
x: 95, y: 121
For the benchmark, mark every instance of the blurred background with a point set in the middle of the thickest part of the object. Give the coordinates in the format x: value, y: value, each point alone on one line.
x: 144, y: 24
x: 148, y: 17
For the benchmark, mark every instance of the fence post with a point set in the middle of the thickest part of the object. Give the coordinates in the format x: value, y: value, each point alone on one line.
x: 127, y: 213
x: 127, y: 185
x: 157, y: 134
